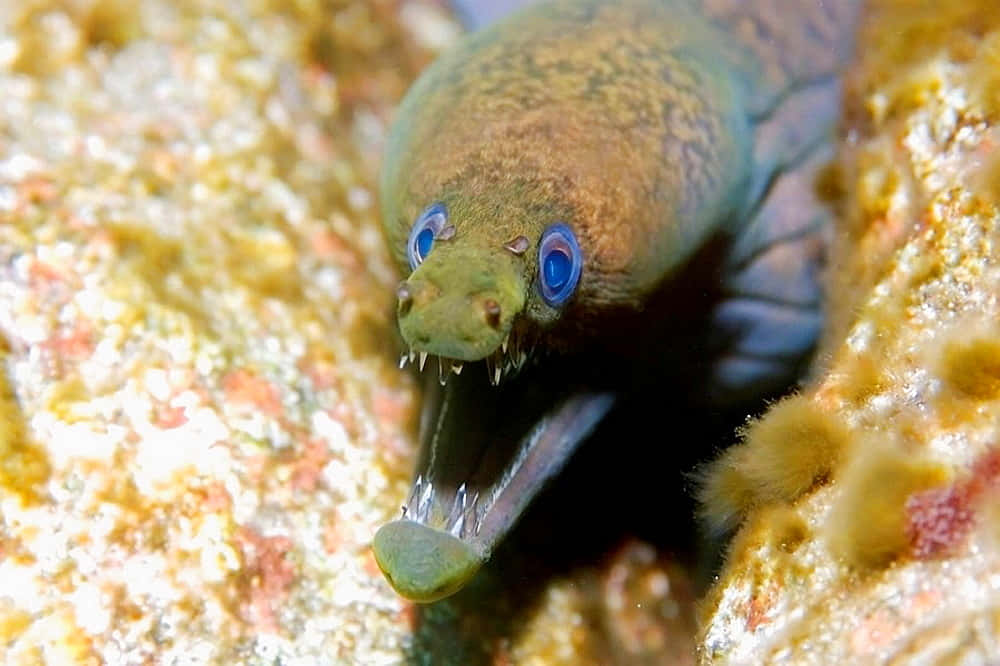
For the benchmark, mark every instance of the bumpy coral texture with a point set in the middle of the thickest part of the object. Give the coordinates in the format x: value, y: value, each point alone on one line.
x: 900, y: 531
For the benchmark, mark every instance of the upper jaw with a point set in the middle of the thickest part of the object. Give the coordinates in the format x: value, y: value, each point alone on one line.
x: 463, y: 304
x: 503, y: 361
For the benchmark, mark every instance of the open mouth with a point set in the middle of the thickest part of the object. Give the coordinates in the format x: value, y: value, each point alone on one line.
x: 486, y: 452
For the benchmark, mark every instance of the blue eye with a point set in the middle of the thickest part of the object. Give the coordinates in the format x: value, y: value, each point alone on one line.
x: 559, y: 264
x: 424, y: 231
x: 558, y: 268
x: 425, y: 241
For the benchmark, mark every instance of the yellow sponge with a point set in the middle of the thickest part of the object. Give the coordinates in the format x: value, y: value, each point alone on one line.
x: 794, y: 446
x: 868, y: 526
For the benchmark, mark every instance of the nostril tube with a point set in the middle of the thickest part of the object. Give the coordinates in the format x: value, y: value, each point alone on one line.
x: 405, y: 297
x: 492, y: 311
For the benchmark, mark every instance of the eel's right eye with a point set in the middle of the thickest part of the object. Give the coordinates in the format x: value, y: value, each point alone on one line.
x: 424, y: 231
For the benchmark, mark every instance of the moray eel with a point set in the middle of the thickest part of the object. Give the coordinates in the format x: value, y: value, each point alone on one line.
x: 628, y: 180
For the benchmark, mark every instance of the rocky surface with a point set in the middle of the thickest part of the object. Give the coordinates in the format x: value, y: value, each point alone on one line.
x: 200, y: 415
x: 870, y: 531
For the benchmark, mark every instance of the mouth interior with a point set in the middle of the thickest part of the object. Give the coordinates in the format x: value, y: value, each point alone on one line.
x: 486, y: 452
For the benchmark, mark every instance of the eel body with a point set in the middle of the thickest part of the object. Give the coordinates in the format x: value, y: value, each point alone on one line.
x: 552, y: 187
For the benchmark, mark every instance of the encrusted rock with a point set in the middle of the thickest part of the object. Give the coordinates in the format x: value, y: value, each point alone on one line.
x: 891, y: 553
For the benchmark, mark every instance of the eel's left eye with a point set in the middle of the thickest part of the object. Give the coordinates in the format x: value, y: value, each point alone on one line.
x: 424, y: 231
x: 559, y: 264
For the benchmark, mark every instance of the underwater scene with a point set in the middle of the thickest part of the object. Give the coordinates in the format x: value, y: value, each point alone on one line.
x: 570, y: 332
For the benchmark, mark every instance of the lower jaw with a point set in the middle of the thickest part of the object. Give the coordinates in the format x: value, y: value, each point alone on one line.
x: 486, y: 453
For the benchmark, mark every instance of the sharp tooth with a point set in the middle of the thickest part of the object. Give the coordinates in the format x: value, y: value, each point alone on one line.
x: 456, y: 518
x: 497, y: 371
x: 412, y: 356
x: 473, y: 512
x: 458, y: 526
x: 424, y: 505
x: 402, y: 361
x: 503, y: 345
x: 456, y: 367
x: 415, y: 491
x: 423, y: 360
x: 442, y: 375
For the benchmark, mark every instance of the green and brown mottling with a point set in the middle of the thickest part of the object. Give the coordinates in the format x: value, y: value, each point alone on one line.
x: 633, y: 122
x: 540, y: 123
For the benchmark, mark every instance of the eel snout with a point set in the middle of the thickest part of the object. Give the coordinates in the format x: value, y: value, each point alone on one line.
x: 461, y: 305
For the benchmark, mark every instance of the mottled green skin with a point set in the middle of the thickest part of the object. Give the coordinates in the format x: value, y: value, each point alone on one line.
x: 631, y: 121
x: 647, y: 126
x: 577, y: 112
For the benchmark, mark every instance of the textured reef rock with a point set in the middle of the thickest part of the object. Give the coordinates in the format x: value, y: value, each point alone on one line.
x: 200, y: 414
x: 870, y: 531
